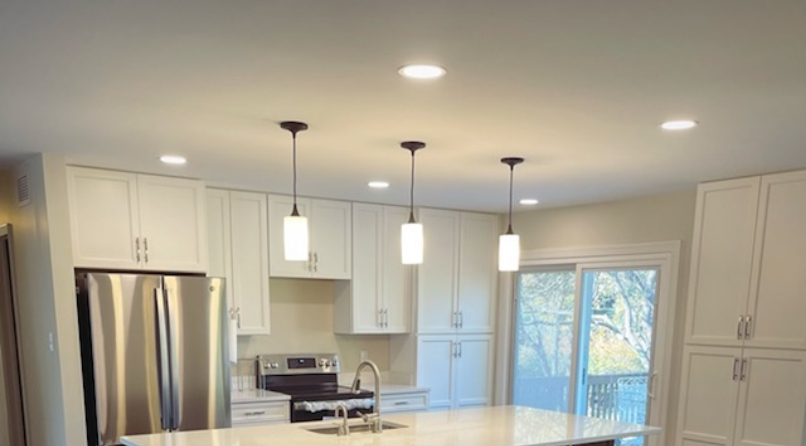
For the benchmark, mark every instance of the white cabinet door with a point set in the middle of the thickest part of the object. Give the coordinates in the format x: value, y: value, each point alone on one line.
x: 280, y: 207
x: 219, y: 242
x: 474, y: 369
x: 331, y: 239
x: 435, y: 361
x: 250, y: 262
x: 708, y: 396
x: 477, y: 272
x: 365, y: 305
x: 397, y: 277
x: 778, y: 301
x: 437, y: 277
x: 172, y: 224
x: 104, y: 218
x: 721, y: 261
x: 772, y: 398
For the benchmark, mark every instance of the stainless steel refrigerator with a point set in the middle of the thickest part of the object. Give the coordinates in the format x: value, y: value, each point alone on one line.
x: 154, y: 354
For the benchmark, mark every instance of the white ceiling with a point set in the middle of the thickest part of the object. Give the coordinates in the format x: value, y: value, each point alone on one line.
x: 577, y: 87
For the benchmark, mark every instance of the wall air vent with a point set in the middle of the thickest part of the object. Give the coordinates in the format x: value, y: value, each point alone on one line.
x: 23, y: 191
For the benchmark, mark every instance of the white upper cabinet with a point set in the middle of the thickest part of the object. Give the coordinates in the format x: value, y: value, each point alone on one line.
x: 104, y: 218
x: 777, y: 300
x: 438, y: 275
x: 330, y: 234
x: 172, y: 224
x: 722, y: 253
x: 239, y: 251
x: 126, y: 221
x: 477, y: 276
x: 457, y: 280
x: 377, y: 300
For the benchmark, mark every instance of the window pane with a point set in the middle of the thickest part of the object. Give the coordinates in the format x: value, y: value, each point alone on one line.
x: 544, y: 339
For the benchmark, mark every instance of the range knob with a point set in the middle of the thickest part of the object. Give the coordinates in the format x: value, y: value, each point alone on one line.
x: 324, y: 363
x: 274, y: 365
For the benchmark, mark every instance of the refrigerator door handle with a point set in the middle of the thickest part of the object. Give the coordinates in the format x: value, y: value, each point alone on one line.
x: 163, y: 361
x: 172, y: 360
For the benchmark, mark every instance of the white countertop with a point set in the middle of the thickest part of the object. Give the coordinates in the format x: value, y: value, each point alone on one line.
x: 395, y: 389
x: 488, y: 426
x: 257, y: 395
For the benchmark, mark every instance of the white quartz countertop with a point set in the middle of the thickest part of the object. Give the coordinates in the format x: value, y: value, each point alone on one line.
x: 395, y: 389
x: 489, y: 426
x: 256, y: 395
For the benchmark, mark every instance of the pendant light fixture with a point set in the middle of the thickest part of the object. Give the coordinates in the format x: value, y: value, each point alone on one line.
x: 295, y: 226
x: 411, y: 233
x: 509, y: 243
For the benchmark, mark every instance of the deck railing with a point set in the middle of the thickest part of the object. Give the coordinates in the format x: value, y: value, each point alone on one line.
x: 613, y: 397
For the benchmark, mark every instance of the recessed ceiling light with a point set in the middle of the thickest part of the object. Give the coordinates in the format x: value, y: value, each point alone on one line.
x: 378, y: 184
x: 679, y: 125
x: 173, y: 159
x: 528, y: 201
x: 422, y: 71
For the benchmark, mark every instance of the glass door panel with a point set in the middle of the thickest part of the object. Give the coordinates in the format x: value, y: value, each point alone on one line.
x: 616, y: 333
x: 544, y: 339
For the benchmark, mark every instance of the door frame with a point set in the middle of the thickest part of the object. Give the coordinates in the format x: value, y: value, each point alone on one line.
x: 664, y: 255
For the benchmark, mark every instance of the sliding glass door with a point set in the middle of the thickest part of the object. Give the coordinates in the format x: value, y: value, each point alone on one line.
x: 584, y: 341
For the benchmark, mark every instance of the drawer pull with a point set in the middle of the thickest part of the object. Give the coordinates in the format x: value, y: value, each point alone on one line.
x: 402, y: 403
x: 255, y: 414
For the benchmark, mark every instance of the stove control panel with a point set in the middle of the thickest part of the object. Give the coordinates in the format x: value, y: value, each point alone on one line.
x: 298, y: 364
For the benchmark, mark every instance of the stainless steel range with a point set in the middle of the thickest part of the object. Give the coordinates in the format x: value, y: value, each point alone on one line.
x: 311, y: 380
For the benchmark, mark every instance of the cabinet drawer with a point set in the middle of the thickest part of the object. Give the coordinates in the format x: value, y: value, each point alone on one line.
x: 404, y: 403
x: 260, y: 413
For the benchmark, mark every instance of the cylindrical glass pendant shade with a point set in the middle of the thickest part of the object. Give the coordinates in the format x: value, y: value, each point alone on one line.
x: 411, y: 243
x: 295, y: 238
x: 509, y: 252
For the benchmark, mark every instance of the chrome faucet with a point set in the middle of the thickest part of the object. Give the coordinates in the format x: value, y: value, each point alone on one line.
x: 374, y: 420
x: 344, y: 428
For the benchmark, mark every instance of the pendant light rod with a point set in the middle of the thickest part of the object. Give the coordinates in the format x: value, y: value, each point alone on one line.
x: 294, y: 127
x: 412, y: 146
x: 511, y: 162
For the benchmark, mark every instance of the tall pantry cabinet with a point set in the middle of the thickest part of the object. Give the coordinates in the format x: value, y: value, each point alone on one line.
x: 452, y: 351
x: 744, y: 371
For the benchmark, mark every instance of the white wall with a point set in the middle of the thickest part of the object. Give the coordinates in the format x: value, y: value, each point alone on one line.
x: 302, y: 322
x: 642, y: 220
x: 44, y: 279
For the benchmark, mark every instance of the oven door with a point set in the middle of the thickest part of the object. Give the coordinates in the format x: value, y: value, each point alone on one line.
x: 302, y: 411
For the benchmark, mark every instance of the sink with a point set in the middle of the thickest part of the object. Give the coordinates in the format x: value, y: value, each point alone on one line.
x: 358, y: 428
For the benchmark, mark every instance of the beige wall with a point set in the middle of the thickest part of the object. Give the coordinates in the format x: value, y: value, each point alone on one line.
x: 302, y: 322
x: 44, y: 280
x: 642, y: 220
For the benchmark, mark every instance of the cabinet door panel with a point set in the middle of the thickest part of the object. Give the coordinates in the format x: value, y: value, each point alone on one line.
x: 397, y: 277
x: 173, y: 224
x: 250, y: 261
x: 477, y: 272
x: 778, y: 301
x: 367, y: 267
x: 721, y: 260
x: 772, y: 399
x: 104, y: 218
x: 435, y: 369
x: 219, y: 242
x: 331, y: 239
x: 474, y: 371
x: 708, y: 395
x: 438, y: 274
x: 279, y: 207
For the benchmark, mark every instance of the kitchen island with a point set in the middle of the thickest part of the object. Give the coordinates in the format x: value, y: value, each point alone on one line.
x: 488, y: 426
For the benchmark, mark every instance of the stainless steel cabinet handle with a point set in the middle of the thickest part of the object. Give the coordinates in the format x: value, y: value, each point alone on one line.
x: 380, y: 318
x: 238, y: 314
x: 651, y: 387
x: 402, y: 403
x: 316, y: 261
x: 137, y: 248
x: 455, y: 320
x: 735, y: 368
x: 748, y: 321
x: 461, y: 350
x: 744, y: 370
x: 386, y: 318
x: 461, y: 319
x: 254, y: 414
x: 455, y: 350
x: 145, y: 248
x: 310, y: 261
x: 739, y: 328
